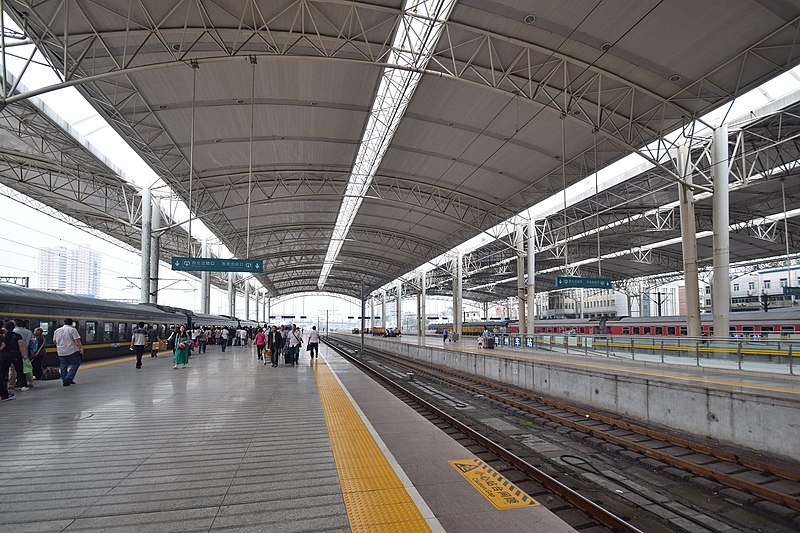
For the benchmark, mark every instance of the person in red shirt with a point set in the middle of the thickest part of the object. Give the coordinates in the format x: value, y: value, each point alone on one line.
x: 260, y: 342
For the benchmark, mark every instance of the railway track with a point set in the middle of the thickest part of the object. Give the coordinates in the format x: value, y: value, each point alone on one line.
x: 561, y: 499
x: 763, y: 480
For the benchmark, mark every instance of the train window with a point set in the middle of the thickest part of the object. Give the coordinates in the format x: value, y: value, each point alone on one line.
x: 787, y: 329
x: 121, y: 337
x: 637, y: 331
x: 710, y: 330
x: 647, y: 330
x: 767, y: 328
x: 670, y: 330
x: 684, y: 331
x: 659, y: 330
x: 91, y: 331
x: 748, y: 328
x: 108, y: 331
x: 45, y: 327
x: 626, y: 331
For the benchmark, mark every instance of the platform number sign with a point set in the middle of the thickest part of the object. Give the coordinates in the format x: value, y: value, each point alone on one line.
x: 506, y: 341
x: 497, y: 340
x: 517, y: 342
x: 528, y: 342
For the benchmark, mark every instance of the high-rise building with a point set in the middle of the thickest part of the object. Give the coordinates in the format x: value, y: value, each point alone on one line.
x: 70, y: 270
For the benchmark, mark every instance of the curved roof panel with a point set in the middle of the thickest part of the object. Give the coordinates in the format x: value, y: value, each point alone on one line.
x: 268, y: 102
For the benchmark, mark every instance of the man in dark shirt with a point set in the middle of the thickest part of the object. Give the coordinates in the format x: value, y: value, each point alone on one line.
x: 11, y: 350
x: 152, y: 338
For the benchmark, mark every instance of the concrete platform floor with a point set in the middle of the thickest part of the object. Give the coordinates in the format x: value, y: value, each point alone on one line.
x: 214, y: 446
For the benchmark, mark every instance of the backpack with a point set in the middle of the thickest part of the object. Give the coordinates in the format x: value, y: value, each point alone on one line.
x: 51, y: 372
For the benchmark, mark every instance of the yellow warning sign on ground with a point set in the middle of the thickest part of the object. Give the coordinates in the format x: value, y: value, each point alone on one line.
x: 501, y: 492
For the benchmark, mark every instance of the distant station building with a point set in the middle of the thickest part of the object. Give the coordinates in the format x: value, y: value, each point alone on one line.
x: 70, y: 270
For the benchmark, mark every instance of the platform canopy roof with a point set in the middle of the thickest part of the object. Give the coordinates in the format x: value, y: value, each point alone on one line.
x: 255, y: 111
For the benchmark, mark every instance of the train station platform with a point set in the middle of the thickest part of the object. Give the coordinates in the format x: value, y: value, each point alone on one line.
x: 750, y: 409
x: 722, y: 375
x: 230, y: 444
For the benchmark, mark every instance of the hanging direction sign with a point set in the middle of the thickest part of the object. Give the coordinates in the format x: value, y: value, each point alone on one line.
x: 206, y: 264
x: 572, y: 282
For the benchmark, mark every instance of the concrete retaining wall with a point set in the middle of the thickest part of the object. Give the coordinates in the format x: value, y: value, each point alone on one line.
x: 754, y: 421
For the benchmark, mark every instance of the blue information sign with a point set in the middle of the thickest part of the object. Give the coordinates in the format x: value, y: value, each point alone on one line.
x: 207, y: 264
x: 506, y: 341
x: 791, y: 291
x: 572, y: 282
x: 517, y: 342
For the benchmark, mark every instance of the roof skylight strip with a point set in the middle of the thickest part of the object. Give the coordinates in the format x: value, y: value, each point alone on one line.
x: 412, y: 47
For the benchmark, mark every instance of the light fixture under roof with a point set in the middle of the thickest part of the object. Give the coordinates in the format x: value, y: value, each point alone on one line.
x: 529, y: 19
x: 413, y: 45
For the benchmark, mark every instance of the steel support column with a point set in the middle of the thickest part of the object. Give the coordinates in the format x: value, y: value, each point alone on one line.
x: 258, y: 306
x: 383, y: 309
x: 531, y: 282
x: 363, y: 318
x: 486, y: 310
x: 519, y: 244
x: 399, y: 309
x: 155, y: 246
x: 721, y: 288
x: 231, y: 295
x: 144, y: 295
x: 689, y: 243
x: 205, y: 283
x: 247, y: 300
x: 372, y: 313
x: 424, y: 295
x: 458, y: 312
x: 268, y: 312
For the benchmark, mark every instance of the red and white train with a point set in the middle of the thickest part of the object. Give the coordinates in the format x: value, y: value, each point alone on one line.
x: 775, y: 323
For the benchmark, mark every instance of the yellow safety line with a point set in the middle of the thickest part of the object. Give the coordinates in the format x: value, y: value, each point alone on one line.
x: 374, y: 496
x: 637, y: 372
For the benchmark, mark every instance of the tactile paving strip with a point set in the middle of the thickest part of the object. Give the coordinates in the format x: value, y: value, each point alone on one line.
x: 375, y: 499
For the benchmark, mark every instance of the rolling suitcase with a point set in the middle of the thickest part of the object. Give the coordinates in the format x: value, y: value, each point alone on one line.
x: 490, y: 343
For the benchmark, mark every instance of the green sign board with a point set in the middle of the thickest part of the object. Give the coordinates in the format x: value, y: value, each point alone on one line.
x: 572, y: 282
x: 791, y: 291
x: 205, y: 264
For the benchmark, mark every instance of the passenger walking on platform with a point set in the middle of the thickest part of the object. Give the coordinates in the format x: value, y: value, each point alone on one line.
x: 313, y: 343
x: 295, y: 341
x: 11, y: 350
x: 153, y: 340
x: 202, y: 338
x: 182, y: 342
x: 224, y: 334
x: 138, y: 343
x: 444, y: 336
x: 39, y: 350
x: 274, y: 344
x: 260, y: 341
x: 69, y: 349
x: 171, y: 338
